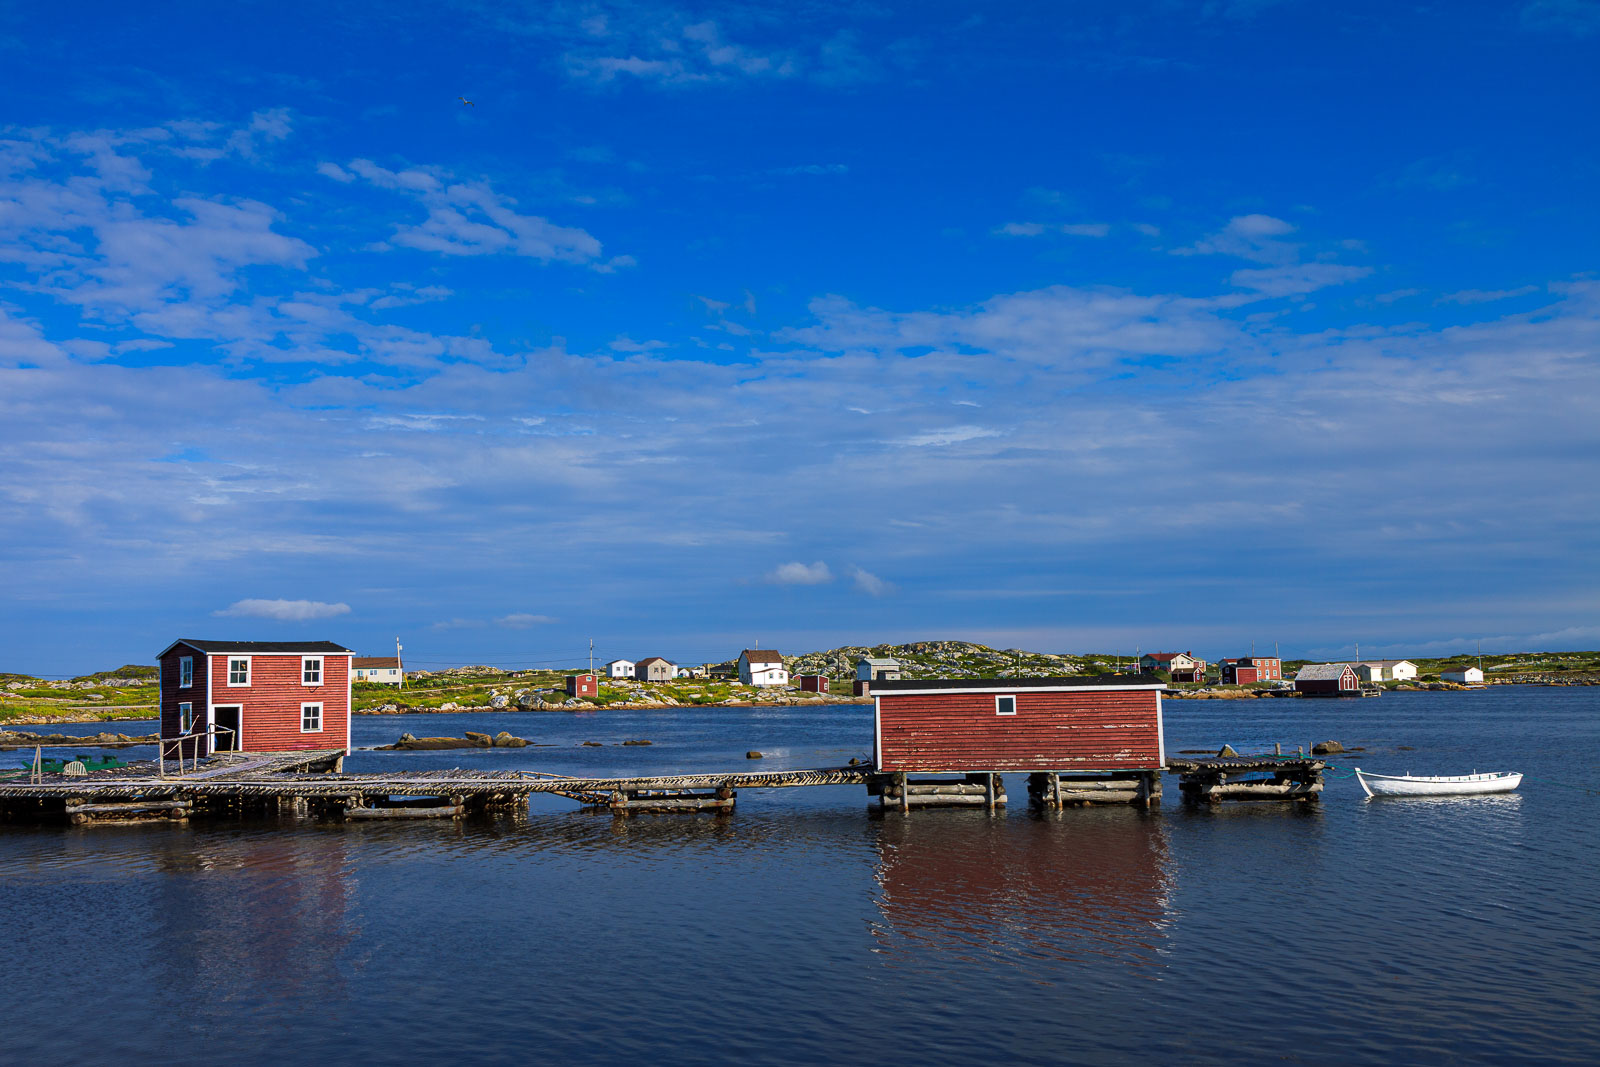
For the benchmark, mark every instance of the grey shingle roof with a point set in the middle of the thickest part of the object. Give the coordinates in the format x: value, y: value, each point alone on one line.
x: 1321, y: 672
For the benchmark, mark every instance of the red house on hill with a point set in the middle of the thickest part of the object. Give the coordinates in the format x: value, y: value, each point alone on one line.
x: 1104, y: 723
x: 254, y: 696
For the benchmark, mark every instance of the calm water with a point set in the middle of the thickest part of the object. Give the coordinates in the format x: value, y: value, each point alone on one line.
x: 803, y: 929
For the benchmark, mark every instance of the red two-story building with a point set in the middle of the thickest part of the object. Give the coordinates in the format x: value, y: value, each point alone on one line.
x: 254, y: 696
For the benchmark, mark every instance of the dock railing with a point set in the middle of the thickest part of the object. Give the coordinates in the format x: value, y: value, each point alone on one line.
x: 194, y: 755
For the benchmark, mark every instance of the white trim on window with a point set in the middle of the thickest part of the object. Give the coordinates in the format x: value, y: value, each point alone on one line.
x: 185, y: 672
x: 311, y: 718
x: 185, y: 717
x: 311, y: 670
x: 239, y: 659
x: 1005, y: 704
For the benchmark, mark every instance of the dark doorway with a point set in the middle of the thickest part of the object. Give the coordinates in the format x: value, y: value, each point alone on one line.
x: 226, y: 720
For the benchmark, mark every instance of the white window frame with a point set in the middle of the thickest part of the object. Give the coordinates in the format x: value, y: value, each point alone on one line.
x: 1005, y: 696
x: 185, y: 717
x: 305, y: 669
x: 185, y: 672
x: 318, y: 728
x: 239, y: 659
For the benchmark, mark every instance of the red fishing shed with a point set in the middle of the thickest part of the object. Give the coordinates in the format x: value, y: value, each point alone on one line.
x: 583, y: 685
x: 254, y: 696
x: 812, y: 683
x: 1327, y: 680
x: 1092, y: 723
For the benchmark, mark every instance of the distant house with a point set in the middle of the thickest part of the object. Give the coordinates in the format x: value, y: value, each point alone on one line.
x: 683, y: 672
x: 382, y: 669
x: 655, y: 669
x: 583, y: 685
x: 1248, y: 670
x: 1181, y: 666
x: 1386, y: 670
x: 1465, y: 676
x: 762, y: 666
x: 619, y: 668
x: 1327, y: 679
x: 877, y: 669
x: 254, y: 696
x: 812, y: 683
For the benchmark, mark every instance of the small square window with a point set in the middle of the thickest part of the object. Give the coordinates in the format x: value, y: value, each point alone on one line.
x: 185, y: 671
x: 311, y: 670
x: 310, y: 718
x: 185, y: 718
x: 1005, y: 705
x: 238, y: 672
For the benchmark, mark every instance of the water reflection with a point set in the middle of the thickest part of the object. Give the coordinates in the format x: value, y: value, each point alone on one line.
x: 259, y: 917
x: 1077, y: 885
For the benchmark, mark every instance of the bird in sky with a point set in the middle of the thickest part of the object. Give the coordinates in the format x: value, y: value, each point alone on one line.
x: 465, y: 101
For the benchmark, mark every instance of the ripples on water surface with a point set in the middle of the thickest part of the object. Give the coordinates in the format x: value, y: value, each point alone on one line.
x: 803, y: 929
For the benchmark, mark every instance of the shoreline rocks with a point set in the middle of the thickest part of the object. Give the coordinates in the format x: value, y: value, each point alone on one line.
x: 411, y: 743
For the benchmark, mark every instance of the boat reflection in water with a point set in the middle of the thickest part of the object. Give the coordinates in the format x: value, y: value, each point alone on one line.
x: 1082, y: 885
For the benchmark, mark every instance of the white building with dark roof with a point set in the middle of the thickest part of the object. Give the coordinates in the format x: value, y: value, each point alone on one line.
x: 762, y: 666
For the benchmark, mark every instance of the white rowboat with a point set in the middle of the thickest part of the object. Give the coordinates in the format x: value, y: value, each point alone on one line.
x: 1452, y: 785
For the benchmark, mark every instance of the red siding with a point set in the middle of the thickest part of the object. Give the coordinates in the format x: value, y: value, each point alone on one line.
x: 271, y: 702
x: 1063, y: 731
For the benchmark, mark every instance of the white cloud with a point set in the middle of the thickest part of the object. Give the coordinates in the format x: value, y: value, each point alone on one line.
x: 1071, y: 229
x: 522, y: 621
x: 472, y: 219
x: 870, y: 583
x: 1486, y: 296
x: 1296, y: 279
x: 283, y: 610
x: 950, y: 435
x: 1256, y: 237
x: 801, y: 574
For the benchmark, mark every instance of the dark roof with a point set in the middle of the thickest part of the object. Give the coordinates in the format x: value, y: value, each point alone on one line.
x: 260, y: 648
x: 376, y: 661
x: 648, y: 660
x: 1321, y: 672
x: 761, y: 655
x: 1078, y: 681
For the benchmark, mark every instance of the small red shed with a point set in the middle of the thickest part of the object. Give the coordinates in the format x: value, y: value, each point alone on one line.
x: 583, y: 685
x: 254, y: 696
x: 1096, y: 723
x: 1327, y: 679
x: 812, y: 683
x: 1240, y: 672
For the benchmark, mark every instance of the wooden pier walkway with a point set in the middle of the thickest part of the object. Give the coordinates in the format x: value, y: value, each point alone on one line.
x: 310, y: 783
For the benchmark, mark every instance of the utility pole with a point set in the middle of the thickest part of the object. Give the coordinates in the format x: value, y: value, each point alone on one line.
x: 398, y: 665
x: 591, y: 655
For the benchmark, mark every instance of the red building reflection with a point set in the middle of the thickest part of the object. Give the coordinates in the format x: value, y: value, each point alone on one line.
x: 1085, y: 882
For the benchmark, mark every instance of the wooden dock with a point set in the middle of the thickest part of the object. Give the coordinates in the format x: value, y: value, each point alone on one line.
x: 305, y: 783
x: 1218, y: 778
x: 312, y: 784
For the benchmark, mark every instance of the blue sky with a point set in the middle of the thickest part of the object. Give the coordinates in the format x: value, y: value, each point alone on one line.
x: 1068, y: 327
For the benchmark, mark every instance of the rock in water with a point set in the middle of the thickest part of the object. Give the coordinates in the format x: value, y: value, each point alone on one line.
x: 481, y: 740
x: 1326, y: 748
x: 753, y: 754
x: 504, y: 739
x: 638, y: 742
x: 1227, y: 750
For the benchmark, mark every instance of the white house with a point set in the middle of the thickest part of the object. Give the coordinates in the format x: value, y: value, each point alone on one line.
x: 1466, y: 676
x: 762, y: 667
x: 619, y: 668
x: 384, y: 670
x: 877, y: 669
x: 1386, y: 670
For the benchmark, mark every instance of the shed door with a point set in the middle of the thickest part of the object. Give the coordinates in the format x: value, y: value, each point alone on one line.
x: 226, y: 719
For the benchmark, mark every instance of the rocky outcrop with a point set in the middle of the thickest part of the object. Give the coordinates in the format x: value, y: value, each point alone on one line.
x: 409, y: 742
